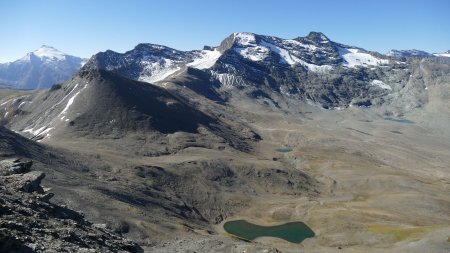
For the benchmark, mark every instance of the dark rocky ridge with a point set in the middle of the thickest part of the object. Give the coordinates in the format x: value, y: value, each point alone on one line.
x: 29, y: 222
x: 101, y: 104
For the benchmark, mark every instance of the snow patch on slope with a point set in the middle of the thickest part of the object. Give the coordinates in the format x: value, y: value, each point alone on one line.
x: 248, y: 48
x: 286, y: 57
x: 259, y: 52
x: 317, y: 68
x: 70, y: 102
x: 228, y: 80
x: 442, y: 55
x: 244, y: 38
x: 41, y: 130
x: 205, y: 60
x: 354, y: 57
x: 158, y: 70
x: 381, y: 84
x: 255, y: 53
x: 294, y: 43
x: 41, y: 133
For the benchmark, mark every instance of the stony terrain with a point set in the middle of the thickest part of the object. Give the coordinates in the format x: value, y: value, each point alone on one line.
x: 29, y: 222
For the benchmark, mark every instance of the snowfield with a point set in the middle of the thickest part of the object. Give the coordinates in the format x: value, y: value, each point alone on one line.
x: 50, y: 53
x: 381, y: 84
x: 355, y: 57
x: 205, y: 60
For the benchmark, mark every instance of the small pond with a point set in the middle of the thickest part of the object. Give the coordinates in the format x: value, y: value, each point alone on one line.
x: 284, y: 150
x: 400, y: 120
x: 294, y: 232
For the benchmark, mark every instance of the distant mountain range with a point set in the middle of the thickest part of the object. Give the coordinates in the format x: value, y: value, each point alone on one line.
x: 47, y: 66
x: 311, y: 69
x: 415, y: 53
x: 40, y: 69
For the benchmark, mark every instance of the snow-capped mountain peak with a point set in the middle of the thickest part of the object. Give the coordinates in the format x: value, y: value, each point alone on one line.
x: 244, y: 38
x: 314, y: 52
x: 49, y: 52
x: 152, y: 63
x: 40, y: 69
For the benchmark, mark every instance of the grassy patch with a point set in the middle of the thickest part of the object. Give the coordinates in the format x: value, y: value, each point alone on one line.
x: 400, y: 120
x: 400, y: 233
x: 360, y: 198
x: 284, y: 150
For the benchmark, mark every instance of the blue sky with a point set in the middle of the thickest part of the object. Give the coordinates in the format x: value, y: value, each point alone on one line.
x: 84, y: 27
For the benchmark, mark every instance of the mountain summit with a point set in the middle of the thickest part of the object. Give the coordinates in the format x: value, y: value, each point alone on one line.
x: 40, y: 69
x: 47, y: 52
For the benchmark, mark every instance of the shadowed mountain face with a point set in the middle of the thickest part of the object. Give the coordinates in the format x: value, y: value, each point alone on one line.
x: 128, y: 105
x: 13, y: 144
x: 102, y: 104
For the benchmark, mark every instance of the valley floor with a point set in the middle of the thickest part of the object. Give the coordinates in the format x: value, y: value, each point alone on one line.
x: 384, y: 186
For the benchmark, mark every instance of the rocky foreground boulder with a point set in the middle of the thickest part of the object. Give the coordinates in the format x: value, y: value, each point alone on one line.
x: 29, y: 222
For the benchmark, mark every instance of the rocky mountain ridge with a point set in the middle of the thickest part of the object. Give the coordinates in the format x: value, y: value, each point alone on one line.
x: 29, y: 222
x: 311, y: 68
x: 101, y: 104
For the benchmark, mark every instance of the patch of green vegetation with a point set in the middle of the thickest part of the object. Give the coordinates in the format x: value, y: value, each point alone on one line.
x: 400, y: 120
x: 360, y: 198
x: 399, y: 233
x: 284, y: 150
x: 396, y: 132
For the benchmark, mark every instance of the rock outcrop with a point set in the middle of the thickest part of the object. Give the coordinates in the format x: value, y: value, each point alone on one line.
x: 29, y: 222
